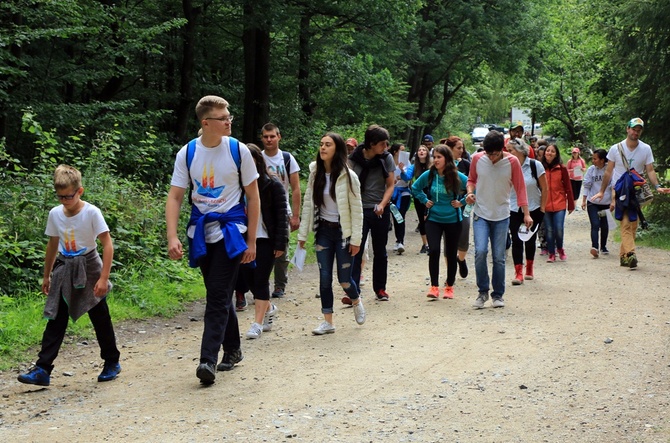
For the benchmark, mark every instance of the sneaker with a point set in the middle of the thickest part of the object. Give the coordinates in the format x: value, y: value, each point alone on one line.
x: 594, y: 252
x: 324, y: 328
x: 230, y: 359
x: 424, y: 249
x: 382, y: 295
x: 433, y: 292
x: 395, y: 247
x: 359, y: 312
x: 206, y: 372
x: 498, y: 303
x: 632, y: 260
x: 479, y: 303
x: 347, y: 300
x: 255, y: 331
x: 240, y: 301
x: 109, y: 371
x: 401, y: 248
x: 604, y: 251
x: 278, y: 293
x: 544, y: 251
x: 562, y: 255
x: 269, y: 317
x: 449, y: 292
x: 36, y: 376
x: 552, y: 258
x: 462, y: 268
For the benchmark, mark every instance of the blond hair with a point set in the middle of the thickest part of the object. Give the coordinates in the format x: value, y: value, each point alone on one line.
x: 207, y: 104
x: 66, y: 176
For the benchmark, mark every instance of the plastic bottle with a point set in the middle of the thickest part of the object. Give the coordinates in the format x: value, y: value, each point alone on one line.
x: 396, y: 213
x: 467, y: 210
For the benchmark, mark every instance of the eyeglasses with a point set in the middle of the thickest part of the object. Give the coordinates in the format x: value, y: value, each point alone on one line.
x: 67, y: 197
x: 221, y: 119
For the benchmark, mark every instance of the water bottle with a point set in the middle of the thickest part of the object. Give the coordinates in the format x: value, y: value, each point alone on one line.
x: 467, y: 210
x: 602, y: 213
x: 396, y: 213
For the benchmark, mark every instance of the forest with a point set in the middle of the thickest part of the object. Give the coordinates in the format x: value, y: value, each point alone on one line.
x: 110, y: 87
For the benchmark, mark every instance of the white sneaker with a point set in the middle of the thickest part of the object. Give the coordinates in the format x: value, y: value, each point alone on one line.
x: 395, y: 247
x: 498, y: 303
x: 324, y: 328
x: 401, y: 248
x: 269, y: 317
x: 254, y: 331
x: 359, y: 312
x: 479, y: 303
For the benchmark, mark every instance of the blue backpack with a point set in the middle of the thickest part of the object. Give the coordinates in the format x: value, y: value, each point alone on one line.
x: 234, y: 151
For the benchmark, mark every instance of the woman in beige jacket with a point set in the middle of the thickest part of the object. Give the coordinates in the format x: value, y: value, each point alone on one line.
x: 333, y: 210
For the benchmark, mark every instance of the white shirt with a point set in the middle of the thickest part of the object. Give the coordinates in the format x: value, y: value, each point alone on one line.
x: 77, y: 234
x: 328, y: 210
x: 638, y: 159
x: 277, y: 167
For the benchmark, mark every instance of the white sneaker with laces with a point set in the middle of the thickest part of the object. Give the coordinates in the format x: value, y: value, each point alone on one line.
x: 269, y: 317
x: 498, y: 303
x: 479, y: 303
x: 254, y: 331
x: 359, y: 312
x: 324, y: 328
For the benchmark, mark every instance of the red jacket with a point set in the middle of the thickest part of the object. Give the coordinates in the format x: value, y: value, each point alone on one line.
x: 559, y: 190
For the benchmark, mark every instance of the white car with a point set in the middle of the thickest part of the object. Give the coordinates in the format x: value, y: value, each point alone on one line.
x: 478, y: 135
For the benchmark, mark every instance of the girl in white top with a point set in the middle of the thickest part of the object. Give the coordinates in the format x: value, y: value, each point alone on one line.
x: 332, y: 209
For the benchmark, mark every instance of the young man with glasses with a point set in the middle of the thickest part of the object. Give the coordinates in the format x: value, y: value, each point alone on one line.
x: 216, y: 227
x: 493, y: 173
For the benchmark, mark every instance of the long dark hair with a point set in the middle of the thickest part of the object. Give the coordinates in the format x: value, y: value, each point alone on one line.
x: 338, y: 164
x: 557, y: 160
x: 451, y: 180
x: 261, y: 167
x: 420, y: 168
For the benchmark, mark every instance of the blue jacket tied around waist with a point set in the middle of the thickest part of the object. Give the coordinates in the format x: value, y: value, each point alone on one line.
x: 234, y: 241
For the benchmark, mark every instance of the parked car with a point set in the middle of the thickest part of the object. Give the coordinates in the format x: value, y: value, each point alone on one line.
x: 478, y: 135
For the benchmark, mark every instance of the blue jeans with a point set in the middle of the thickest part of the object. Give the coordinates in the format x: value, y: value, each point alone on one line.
x: 496, y: 232
x: 378, y: 228
x: 330, y: 246
x: 598, y: 224
x: 555, y: 226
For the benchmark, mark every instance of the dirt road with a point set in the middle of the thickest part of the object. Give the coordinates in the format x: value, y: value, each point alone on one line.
x: 580, y: 354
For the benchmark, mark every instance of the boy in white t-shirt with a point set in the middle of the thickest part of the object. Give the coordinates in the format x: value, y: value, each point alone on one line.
x: 216, y: 227
x: 76, y: 280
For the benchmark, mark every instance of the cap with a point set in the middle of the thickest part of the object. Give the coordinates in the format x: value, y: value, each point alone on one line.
x: 637, y: 121
x: 428, y: 138
x: 515, y: 125
x: 351, y: 142
x: 525, y: 234
x: 576, y: 150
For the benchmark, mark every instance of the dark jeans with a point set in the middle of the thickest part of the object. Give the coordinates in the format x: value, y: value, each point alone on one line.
x: 330, y: 246
x: 420, y: 209
x: 53, y: 336
x: 258, y: 279
x: 452, y: 233
x: 219, y: 273
x: 399, y: 228
x: 377, y: 227
x: 515, y: 222
x: 598, y: 224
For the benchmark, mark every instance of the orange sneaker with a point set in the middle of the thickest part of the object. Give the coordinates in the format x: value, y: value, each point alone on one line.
x: 434, y: 292
x: 449, y: 292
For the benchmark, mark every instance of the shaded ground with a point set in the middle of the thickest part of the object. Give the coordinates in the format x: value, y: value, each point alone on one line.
x: 417, y: 371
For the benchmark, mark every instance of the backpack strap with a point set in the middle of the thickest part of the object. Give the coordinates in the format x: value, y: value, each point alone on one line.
x: 533, y: 172
x: 234, y: 152
x: 190, y: 152
x: 287, y: 161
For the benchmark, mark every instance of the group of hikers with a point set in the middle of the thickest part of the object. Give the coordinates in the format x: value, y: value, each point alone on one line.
x: 245, y: 201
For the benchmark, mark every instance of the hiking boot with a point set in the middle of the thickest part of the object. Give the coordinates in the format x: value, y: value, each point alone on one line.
x: 594, y: 252
x: 498, y: 303
x: 518, y: 275
x: 433, y: 292
x: 449, y: 292
x: 109, y: 371
x: 623, y: 261
x: 255, y: 331
x: 632, y: 260
x: 324, y: 328
x: 206, y: 372
x: 359, y: 312
x: 479, y: 303
x: 400, y: 248
x: 462, y: 268
x: 529, y: 270
x: 347, y: 300
x: 269, y: 317
x: 278, y: 293
x: 230, y: 359
x: 36, y: 376
x: 240, y: 301
x: 561, y: 254
x: 551, y: 258
x: 382, y: 295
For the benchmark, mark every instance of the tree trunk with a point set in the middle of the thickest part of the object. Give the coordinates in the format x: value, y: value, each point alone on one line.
x: 304, y: 90
x: 184, y: 105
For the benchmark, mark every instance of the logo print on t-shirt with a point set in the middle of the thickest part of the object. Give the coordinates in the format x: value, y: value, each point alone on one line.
x: 70, y: 245
x: 206, y: 187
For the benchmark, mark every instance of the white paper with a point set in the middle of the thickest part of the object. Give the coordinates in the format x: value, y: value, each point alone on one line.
x: 298, y: 259
x: 403, y: 157
x: 611, y: 222
x: 578, y: 172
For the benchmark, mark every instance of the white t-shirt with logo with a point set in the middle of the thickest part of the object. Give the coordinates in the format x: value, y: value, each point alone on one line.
x: 77, y: 234
x: 277, y: 167
x: 216, y: 186
x: 638, y: 159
